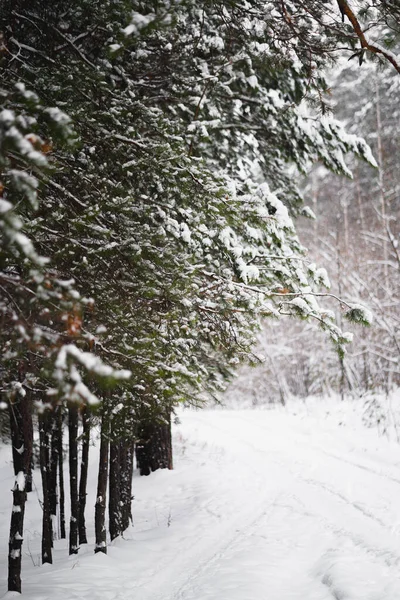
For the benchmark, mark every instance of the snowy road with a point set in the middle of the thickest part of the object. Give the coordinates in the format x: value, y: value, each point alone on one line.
x: 328, y: 523
x: 315, y: 515
x: 262, y: 505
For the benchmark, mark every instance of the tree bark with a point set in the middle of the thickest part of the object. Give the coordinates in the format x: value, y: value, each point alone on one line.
x: 73, y: 477
x: 121, y: 471
x: 61, y: 474
x: 101, y: 498
x: 143, y: 450
x: 52, y: 476
x: 84, y: 473
x: 21, y: 439
x: 114, y: 503
x: 127, y: 453
x: 44, y: 439
x: 381, y: 185
x: 342, y: 382
x: 28, y: 435
x: 154, y: 446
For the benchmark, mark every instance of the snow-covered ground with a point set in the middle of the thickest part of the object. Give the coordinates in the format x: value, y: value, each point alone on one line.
x: 281, y: 504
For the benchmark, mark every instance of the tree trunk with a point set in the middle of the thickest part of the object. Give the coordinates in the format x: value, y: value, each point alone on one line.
x: 168, y: 445
x: 143, y: 448
x: 21, y: 439
x: 154, y: 446
x: 52, y: 476
x: 382, y: 187
x: 61, y: 474
x: 127, y: 453
x: 73, y: 477
x: 84, y: 474
x: 28, y: 435
x: 161, y: 446
x: 44, y: 439
x: 339, y: 315
x: 121, y: 471
x: 100, y: 507
x: 114, y: 503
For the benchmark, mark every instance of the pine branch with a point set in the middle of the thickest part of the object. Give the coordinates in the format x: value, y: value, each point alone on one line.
x: 375, y: 48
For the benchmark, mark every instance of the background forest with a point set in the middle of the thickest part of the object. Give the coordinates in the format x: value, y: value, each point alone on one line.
x: 356, y: 237
x: 151, y: 158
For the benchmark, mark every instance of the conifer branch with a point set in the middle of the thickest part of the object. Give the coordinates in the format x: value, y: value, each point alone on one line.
x: 375, y: 48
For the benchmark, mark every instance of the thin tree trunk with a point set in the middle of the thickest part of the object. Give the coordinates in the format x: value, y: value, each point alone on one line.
x: 29, y: 474
x: 26, y: 409
x: 22, y: 454
x: 52, y: 476
x: 339, y: 318
x: 73, y: 477
x: 315, y: 203
x: 382, y: 187
x: 127, y: 453
x: 44, y: 439
x: 346, y: 228
x: 161, y: 446
x: 101, y: 498
x: 168, y: 431
x: 143, y: 450
x: 84, y: 474
x: 359, y: 198
x: 114, y: 503
x: 61, y: 474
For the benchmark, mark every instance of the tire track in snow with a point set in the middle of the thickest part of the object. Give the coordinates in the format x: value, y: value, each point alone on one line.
x: 390, y: 557
x: 303, y: 440
x: 226, y: 534
x: 201, y: 564
x: 358, y: 465
x: 218, y: 554
x: 214, y: 551
x: 341, y: 496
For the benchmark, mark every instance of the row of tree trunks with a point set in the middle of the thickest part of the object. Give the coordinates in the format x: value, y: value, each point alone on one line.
x: 154, y: 446
x: 153, y: 452
x: 51, y: 461
x: 116, y: 470
x: 51, y: 465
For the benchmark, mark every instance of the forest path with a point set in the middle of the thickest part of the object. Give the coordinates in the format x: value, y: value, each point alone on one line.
x: 330, y: 525
x: 261, y: 505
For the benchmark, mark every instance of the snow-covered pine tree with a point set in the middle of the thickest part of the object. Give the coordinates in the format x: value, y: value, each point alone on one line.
x: 123, y: 98
x: 30, y: 298
x: 35, y: 303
